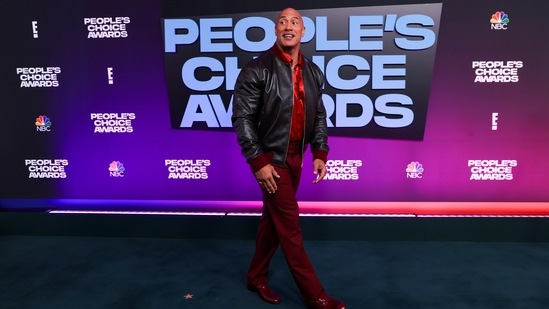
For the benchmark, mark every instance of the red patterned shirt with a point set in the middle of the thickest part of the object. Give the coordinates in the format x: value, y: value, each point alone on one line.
x: 298, y: 114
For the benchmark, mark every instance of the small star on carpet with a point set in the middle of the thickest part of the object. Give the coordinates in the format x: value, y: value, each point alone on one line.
x: 188, y: 296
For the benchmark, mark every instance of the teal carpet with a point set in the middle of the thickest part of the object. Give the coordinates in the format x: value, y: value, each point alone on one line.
x: 107, y: 272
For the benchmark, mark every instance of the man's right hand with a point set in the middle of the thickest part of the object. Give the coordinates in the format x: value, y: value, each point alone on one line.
x: 266, y: 178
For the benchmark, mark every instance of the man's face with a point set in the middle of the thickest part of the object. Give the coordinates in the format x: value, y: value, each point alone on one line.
x: 289, y: 29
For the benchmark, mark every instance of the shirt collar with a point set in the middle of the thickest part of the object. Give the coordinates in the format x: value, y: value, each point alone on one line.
x: 284, y: 57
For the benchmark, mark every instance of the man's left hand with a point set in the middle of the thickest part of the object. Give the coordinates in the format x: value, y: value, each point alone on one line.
x: 319, y: 168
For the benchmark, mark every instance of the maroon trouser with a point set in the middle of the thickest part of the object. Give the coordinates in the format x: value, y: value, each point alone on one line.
x: 279, y: 225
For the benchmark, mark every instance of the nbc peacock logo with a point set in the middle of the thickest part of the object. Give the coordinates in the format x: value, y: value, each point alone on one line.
x: 414, y: 170
x: 499, y: 21
x: 116, y: 169
x: 43, y: 123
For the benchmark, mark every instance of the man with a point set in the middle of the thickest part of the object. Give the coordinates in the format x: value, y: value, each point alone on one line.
x: 277, y: 112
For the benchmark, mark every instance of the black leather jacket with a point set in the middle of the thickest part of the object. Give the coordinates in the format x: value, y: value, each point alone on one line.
x: 263, y: 103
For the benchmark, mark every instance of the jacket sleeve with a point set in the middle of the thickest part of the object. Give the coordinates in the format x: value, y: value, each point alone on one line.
x: 247, y: 107
x: 319, y: 139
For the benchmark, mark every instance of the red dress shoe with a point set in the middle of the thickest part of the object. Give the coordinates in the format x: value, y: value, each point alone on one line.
x: 265, y: 293
x: 326, y: 302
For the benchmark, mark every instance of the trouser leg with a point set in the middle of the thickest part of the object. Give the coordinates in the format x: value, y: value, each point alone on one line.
x: 284, y: 213
x: 266, y: 244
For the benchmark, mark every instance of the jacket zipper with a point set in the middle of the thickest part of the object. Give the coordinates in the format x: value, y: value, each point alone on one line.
x: 291, y: 116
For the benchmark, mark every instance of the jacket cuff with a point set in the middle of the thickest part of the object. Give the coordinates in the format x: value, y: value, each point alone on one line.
x: 258, y: 162
x: 320, y: 154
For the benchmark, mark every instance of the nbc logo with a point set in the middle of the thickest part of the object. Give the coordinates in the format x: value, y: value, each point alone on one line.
x: 414, y: 170
x: 43, y: 124
x: 116, y: 169
x: 499, y: 21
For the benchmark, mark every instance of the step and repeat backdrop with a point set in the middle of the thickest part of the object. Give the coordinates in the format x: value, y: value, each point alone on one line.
x: 434, y: 107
